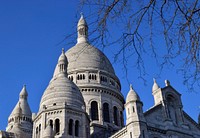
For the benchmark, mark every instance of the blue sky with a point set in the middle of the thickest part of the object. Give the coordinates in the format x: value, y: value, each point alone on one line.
x: 31, y: 39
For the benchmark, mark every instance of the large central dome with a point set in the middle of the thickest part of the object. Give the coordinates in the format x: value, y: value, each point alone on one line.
x: 84, y: 56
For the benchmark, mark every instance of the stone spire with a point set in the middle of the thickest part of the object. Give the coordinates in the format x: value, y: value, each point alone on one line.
x: 82, y: 29
x: 63, y: 63
x: 155, y: 85
x: 22, y: 115
x: 22, y: 105
x: 23, y: 94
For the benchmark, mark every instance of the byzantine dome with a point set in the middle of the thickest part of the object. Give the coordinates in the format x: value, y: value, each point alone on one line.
x: 61, y: 90
x: 85, y: 56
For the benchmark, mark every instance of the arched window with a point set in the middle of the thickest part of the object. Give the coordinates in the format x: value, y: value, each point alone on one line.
x: 57, y: 126
x: 133, y: 109
x: 51, y: 123
x: 115, y: 115
x: 83, y: 76
x: 101, y: 78
x: 171, y: 107
x: 94, y: 111
x: 77, y: 128
x: 106, y: 116
x: 70, y: 127
x: 90, y: 77
x: 39, y: 130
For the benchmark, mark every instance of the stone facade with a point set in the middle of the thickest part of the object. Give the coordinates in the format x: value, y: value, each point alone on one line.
x: 84, y: 99
x: 166, y: 119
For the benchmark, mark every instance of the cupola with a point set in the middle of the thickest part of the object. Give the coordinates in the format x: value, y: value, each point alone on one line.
x: 82, y: 29
x: 62, y: 63
x: 132, y: 95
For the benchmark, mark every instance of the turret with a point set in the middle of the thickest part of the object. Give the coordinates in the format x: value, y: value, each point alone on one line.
x: 62, y: 63
x: 133, y: 106
x: 61, y: 67
x: 82, y: 29
x: 135, y: 120
x: 157, y: 93
x: 20, y: 120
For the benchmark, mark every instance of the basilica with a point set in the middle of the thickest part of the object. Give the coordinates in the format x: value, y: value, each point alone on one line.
x: 84, y: 100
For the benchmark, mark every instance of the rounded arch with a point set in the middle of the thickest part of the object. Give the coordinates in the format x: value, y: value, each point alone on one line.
x: 50, y: 122
x: 172, y: 97
x: 57, y: 126
x: 171, y: 106
x: 77, y: 124
x: 106, y: 114
x: 94, y: 110
x: 70, y: 127
x: 115, y: 115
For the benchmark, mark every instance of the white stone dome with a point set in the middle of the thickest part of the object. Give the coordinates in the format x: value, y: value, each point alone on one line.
x: 132, y: 95
x: 61, y: 90
x: 84, y: 56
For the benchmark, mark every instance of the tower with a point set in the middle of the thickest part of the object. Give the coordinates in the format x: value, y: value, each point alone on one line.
x: 93, y: 73
x: 82, y: 30
x: 135, y: 120
x: 170, y: 99
x: 62, y: 108
x: 20, y: 120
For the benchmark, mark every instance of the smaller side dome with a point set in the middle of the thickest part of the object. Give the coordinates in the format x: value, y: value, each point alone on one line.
x: 61, y: 91
x: 155, y: 85
x: 132, y: 95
